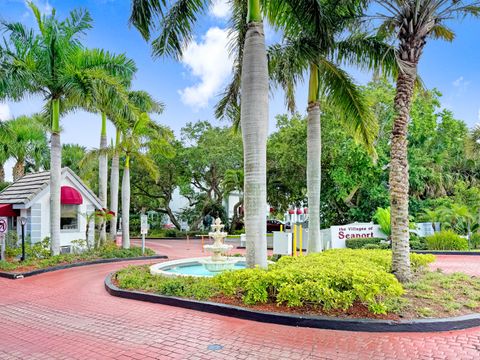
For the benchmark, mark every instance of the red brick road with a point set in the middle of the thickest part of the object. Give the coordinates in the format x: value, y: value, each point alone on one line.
x: 68, y: 315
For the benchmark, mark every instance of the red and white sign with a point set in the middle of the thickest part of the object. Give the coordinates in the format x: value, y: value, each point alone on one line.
x: 353, y: 231
x: 3, y: 225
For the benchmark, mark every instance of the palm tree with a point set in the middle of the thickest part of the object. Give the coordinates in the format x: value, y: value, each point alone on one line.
x: 315, y: 42
x: 26, y: 137
x: 176, y: 27
x: 51, y: 62
x: 112, y: 106
x: 411, y: 23
x: 143, y: 134
x: 138, y: 134
x: 114, y: 184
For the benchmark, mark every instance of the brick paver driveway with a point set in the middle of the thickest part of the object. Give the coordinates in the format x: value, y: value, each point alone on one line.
x: 68, y: 315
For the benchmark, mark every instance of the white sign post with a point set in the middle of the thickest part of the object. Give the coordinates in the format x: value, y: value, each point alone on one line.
x: 143, y: 230
x: 3, y: 232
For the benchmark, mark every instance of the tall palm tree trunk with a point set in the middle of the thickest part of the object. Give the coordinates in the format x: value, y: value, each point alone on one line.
x: 103, y: 174
x: 114, y: 180
x: 126, y: 205
x: 55, y: 178
x: 314, y: 155
x: 18, y: 170
x: 254, y: 123
x: 2, y: 173
x: 399, y: 185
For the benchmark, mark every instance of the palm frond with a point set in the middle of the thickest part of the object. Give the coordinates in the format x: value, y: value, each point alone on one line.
x: 144, y: 13
x: 176, y: 27
x: 354, y: 109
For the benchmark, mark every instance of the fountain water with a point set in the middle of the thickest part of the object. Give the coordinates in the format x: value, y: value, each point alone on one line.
x: 205, y: 266
x: 218, y: 261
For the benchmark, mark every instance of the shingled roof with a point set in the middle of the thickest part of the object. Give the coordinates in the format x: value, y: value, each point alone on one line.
x: 30, y: 185
x: 25, y: 189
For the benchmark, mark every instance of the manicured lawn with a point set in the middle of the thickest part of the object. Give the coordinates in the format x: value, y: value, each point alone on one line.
x: 106, y: 252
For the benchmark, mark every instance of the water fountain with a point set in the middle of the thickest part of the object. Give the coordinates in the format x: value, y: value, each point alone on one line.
x: 218, y: 261
x: 205, y: 266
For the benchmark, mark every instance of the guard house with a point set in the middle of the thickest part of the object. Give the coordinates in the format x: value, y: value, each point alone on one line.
x: 29, y: 197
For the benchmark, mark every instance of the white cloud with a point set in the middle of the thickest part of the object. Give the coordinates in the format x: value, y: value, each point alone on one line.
x: 461, y: 84
x: 4, y: 112
x: 220, y: 9
x: 208, y: 60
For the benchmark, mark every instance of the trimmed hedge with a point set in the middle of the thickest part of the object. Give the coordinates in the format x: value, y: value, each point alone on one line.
x: 446, y: 240
x: 359, y: 243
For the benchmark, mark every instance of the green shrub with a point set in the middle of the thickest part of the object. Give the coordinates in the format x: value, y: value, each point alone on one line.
x: 172, y: 233
x: 384, y: 246
x: 371, y: 246
x: 446, y: 240
x: 334, y: 279
x: 110, y: 251
x: 135, y: 277
x: 359, y: 243
x: 417, y: 243
x: 475, y: 241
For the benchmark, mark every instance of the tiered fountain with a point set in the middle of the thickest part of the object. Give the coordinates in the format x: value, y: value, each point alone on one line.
x: 218, y: 262
x: 205, y: 266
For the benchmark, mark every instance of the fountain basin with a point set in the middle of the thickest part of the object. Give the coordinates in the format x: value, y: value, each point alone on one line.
x: 195, y: 267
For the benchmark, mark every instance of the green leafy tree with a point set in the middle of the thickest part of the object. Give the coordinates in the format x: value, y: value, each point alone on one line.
x: 72, y: 155
x: 412, y: 23
x: 51, y: 61
x: 157, y: 194
x: 4, y: 156
x: 233, y: 180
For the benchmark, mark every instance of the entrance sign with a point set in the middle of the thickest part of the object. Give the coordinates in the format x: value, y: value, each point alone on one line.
x: 352, y: 231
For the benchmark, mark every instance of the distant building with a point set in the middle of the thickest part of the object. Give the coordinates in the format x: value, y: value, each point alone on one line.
x: 29, y: 197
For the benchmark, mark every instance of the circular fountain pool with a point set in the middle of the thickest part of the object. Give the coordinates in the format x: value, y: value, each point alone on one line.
x: 190, y: 267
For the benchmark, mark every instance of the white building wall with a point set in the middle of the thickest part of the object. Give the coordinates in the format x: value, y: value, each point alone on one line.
x: 66, y: 236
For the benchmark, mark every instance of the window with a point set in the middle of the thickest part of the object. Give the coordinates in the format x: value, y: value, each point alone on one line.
x: 69, y: 217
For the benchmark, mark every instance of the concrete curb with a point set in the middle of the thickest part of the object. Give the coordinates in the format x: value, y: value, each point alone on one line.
x: 319, y: 322
x: 21, y: 275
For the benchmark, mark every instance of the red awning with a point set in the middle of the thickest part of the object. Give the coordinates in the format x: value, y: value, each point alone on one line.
x: 70, y: 196
x: 7, y: 210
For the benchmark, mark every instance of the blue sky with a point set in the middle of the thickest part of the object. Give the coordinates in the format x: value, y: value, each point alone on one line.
x: 189, y: 88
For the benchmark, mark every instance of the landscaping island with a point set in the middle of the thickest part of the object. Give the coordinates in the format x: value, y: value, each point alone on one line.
x: 346, y: 284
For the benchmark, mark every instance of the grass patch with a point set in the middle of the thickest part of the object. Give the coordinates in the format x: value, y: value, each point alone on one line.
x: 435, y: 294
